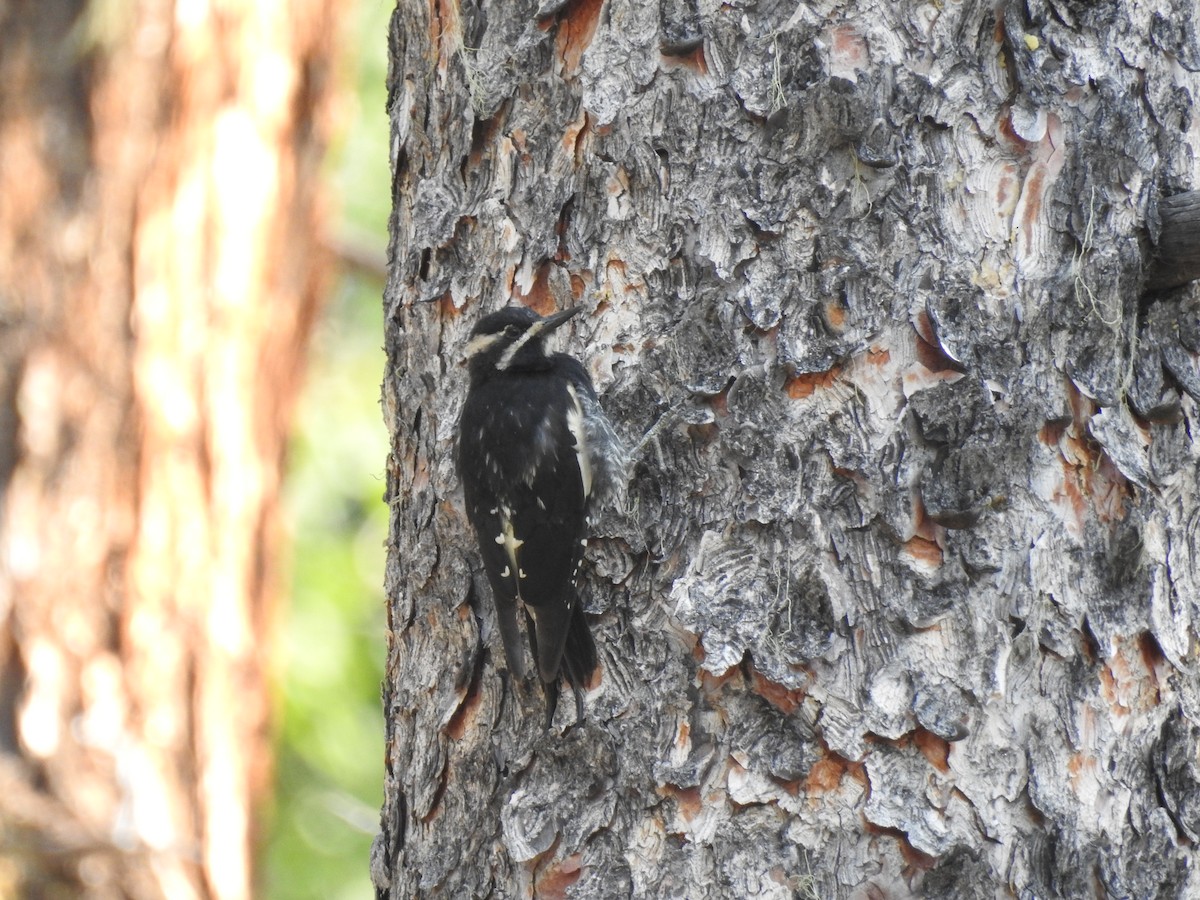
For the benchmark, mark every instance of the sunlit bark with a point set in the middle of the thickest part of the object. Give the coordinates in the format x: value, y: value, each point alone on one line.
x: 159, y: 222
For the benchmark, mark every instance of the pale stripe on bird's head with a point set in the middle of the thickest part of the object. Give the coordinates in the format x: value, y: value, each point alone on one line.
x: 481, y: 344
x: 534, y: 332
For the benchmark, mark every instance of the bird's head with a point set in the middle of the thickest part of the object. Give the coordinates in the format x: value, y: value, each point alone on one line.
x: 512, y: 340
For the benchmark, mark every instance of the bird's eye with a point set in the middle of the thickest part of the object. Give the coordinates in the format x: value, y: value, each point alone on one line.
x: 510, y: 330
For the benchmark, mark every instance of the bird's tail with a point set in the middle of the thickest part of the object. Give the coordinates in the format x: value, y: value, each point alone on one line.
x: 579, y: 655
x: 578, y: 663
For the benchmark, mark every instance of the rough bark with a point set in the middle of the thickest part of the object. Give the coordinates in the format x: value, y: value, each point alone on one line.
x: 905, y: 596
x: 158, y: 212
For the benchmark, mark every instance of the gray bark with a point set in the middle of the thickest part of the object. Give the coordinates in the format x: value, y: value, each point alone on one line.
x: 904, y: 599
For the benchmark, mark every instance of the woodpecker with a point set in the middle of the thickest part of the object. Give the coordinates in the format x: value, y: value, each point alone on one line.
x: 536, y: 454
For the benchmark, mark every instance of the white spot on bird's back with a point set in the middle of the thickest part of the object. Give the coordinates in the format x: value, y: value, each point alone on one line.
x: 509, y: 540
x: 511, y: 544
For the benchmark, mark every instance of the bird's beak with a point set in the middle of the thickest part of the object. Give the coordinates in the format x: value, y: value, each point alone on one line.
x: 552, y: 321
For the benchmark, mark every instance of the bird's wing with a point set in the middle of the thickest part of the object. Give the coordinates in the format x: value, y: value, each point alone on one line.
x: 607, y: 459
x: 548, y: 520
x: 495, y: 546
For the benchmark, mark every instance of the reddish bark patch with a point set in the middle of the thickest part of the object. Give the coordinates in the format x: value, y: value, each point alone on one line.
x: 1079, y: 766
x: 935, y: 749
x: 1051, y: 433
x: 483, y: 136
x: 934, y: 358
x: 575, y: 135
x: 923, y: 526
x: 578, y: 285
x: 800, y: 386
x: 849, y: 50
x: 924, y: 551
x: 720, y: 402
x: 923, y: 326
x: 539, y: 298
x: 435, y: 23
x: 1108, y: 689
x: 712, y: 684
x: 792, y: 787
x: 786, y: 700
x: 1004, y: 127
x: 1034, y: 190
x: 614, y: 271
x: 576, y: 28
x: 879, y: 356
x: 1002, y: 196
x: 1152, y: 655
x: 444, y: 30
x: 519, y: 141
x: 916, y: 860
x: 552, y: 882
x: 1127, y: 687
x: 826, y: 775
x: 834, y: 314
x: 687, y: 799
x: 464, y: 717
x: 858, y: 772
x: 1091, y: 478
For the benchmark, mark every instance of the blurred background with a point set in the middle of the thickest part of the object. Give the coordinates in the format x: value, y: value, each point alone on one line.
x: 329, y: 748
x: 193, y: 206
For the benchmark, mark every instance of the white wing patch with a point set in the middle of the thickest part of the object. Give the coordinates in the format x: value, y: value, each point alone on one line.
x: 575, y: 424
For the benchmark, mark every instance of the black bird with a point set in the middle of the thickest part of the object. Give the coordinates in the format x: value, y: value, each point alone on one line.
x: 535, y: 454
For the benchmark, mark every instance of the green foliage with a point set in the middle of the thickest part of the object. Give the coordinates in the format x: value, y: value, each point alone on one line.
x: 329, y: 763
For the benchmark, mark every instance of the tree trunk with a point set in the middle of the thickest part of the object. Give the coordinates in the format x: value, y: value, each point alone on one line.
x: 158, y: 278
x: 904, y: 598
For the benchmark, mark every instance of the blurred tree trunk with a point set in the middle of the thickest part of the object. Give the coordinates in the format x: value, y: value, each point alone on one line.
x: 158, y: 279
x: 905, y: 597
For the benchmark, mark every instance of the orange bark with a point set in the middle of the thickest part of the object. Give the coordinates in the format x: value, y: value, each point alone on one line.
x: 158, y: 215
